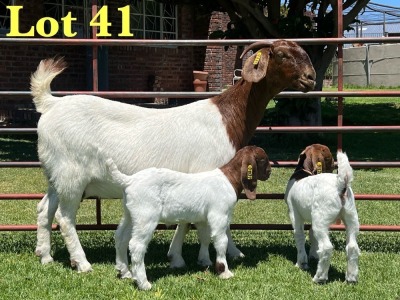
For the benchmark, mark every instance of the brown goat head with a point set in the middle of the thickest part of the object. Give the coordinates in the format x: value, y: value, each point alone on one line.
x: 255, y: 166
x: 314, y: 154
x: 282, y: 62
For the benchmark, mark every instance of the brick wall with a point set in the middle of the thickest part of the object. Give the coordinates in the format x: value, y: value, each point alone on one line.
x: 221, y: 62
x: 127, y: 68
x: 16, y: 66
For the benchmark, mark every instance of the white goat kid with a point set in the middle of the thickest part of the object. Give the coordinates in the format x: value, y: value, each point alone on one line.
x: 197, y: 137
x: 322, y: 199
x: 313, y: 160
x: 153, y: 195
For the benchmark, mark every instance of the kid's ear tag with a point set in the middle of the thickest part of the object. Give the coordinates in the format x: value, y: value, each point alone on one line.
x: 257, y: 59
x: 319, y: 167
x: 249, y: 172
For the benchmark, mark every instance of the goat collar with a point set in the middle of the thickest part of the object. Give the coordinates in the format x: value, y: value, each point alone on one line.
x: 300, y: 174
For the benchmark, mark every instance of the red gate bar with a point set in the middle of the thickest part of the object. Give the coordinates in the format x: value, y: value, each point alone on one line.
x: 140, y: 94
x: 188, y: 43
x: 339, y: 17
x: 272, y: 196
x: 275, y: 164
x: 329, y: 129
x: 268, y: 129
x: 233, y: 226
x: 145, y: 43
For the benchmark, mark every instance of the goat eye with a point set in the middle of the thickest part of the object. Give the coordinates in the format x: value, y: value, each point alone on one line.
x: 282, y: 56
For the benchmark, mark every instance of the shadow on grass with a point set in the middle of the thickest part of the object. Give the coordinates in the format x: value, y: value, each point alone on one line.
x: 370, y: 146
x: 289, y: 252
x: 257, y: 247
x: 18, y: 148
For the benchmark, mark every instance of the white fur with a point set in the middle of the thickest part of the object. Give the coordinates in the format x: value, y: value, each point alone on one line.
x: 160, y: 195
x: 193, y: 138
x: 190, y: 138
x: 318, y: 199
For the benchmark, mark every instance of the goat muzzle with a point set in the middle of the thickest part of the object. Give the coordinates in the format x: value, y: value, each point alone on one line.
x: 266, y: 173
x: 307, y: 81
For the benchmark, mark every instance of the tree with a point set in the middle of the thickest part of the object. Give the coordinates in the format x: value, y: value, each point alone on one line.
x: 292, y: 19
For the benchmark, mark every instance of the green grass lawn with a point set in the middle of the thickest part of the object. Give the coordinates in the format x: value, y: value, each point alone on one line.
x: 267, y: 271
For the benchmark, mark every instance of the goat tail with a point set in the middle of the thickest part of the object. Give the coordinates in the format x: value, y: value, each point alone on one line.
x: 345, y: 173
x: 118, y: 177
x: 41, y: 80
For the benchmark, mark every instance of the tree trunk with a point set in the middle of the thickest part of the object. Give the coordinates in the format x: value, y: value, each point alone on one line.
x: 307, y: 111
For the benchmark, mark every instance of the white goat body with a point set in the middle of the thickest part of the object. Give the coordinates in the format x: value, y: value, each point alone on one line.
x: 126, y: 130
x: 321, y: 199
x: 144, y: 131
x: 196, y: 137
x: 160, y: 195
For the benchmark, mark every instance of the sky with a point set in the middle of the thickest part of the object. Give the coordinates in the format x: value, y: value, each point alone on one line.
x: 372, y: 20
x: 387, y: 2
x: 392, y: 10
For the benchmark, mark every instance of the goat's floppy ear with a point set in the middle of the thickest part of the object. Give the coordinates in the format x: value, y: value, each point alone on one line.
x: 311, y: 161
x: 329, y: 162
x: 255, y: 67
x: 249, y: 177
x: 322, y: 159
x: 301, y: 160
x: 318, y: 164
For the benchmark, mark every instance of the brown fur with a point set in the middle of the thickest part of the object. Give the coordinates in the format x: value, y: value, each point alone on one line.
x: 307, y: 163
x: 283, y: 64
x: 219, y: 268
x: 261, y: 169
x: 308, y: 159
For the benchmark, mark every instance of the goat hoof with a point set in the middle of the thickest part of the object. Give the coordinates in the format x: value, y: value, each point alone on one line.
x: 144, y: 286
x: 226, y: 275
x: 302, y: 266
x: 319, y: 280
x: 82, y: 267
x: 351, y: 279
x: 46, y: 259
x: 236, y: 254
x: 204, y: 262
x: 176, y: 263
x: 124, y: 275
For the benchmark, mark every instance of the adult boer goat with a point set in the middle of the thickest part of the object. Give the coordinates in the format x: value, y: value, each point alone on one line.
x: 192, y: 138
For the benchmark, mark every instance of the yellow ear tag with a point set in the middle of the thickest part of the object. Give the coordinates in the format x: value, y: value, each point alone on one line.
x: 319, y: 167
x: 257, y: 59
x: 249, y: 172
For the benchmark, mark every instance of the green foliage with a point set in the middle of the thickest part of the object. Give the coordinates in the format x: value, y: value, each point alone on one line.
x: 296, y: 26
x: 358, y: 111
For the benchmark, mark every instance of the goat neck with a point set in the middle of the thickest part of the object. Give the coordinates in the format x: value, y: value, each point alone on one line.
x: 300, y: 173
x: 242, y: 107
x: 314, y: 159
x: 232, y: 171
x: 237, y: 170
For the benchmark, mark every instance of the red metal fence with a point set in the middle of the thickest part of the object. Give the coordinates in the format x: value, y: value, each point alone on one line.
x: 339, y: 129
